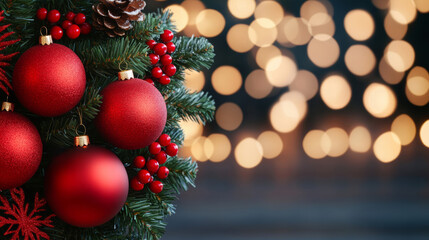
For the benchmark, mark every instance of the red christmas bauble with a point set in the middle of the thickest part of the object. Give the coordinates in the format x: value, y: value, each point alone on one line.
x: 20, y: 150
x: 49, y: 80
x: 86, y: 187
x: 133, y: 114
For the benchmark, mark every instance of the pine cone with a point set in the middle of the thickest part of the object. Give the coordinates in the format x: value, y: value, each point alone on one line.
x: 115, y: 16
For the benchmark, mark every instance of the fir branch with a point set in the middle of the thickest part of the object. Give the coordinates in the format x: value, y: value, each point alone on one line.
x: 193, y: 53
x: 183, y: 173
x: 152, y: 26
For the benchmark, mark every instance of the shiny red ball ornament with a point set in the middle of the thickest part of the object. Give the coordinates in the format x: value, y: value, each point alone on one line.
x: 151, y: 43
x: 132, y: 115
x: 57, y: 32
x: 136, y: 185
x: 166, y: 59
x: 163, y: 172
x: 156, y: 72
x: 70, y: 16
x: 164, y: 80
x: 49, y: 80
x: 152, y: 166
x: 160, y: 49
x: 20, y: 150
x: 156, y: 187
x: 144, y: 176
x: 139, y: 162
x: 86, y: 187
x: 66, y: 24
x: 85, y: 28
x: 172, y: 149
x: 79, y: 18
x: 164, y: 139
x: 155, y: 148
x: 73, y: 31
x: 161, y: 157
x: 171, y: 47
x: 167, y: 36
x: 53, y: 16
x: 153, y: 58
x: 169, y: 70
x: 41, y: 13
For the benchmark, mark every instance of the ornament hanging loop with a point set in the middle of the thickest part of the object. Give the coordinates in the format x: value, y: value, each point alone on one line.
x: 45, y: 39
x: 120, y: 64
x: 81, y: 140
x: 46, y: 31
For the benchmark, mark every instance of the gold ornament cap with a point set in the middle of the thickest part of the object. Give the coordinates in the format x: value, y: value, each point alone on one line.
x: 125, y: 75
x: 7, y: 107
x: 81, y: 141
x: 45, y: 40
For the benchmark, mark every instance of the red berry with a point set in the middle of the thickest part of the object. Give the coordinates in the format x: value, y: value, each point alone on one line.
x: 54, y: 16
x: 152, y: 166
x: 156, y: 72
x: 167, y: 36
x: 139, y: 162
x: 41, y: 13
x: 70, y: 16
x: 73, y: 31
x: 151, y: 43
x: 169, y: 70
x: 164, y: 139
x: 172, y: 149
x: 164, y: 80
x: 160, y: 49
x: 79, y: 18
x: 163, y: 172
x: 149, y: 81
x: 171, y: 47
x: 136, y: 184
x: 155, y: 148
x: 166, y: 59
x: 153, y: 58
x: 156, y: 187
x: 85, y: 28
x: 66, y: 24
x: 144, y: 176
x: 161, y: 157
x: 56, y: 32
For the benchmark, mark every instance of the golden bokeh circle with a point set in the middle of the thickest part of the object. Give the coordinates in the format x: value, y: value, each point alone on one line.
x: 379, y: 100
x: 248, y: 153
x: 210, y: 23
x: 229, y: 116
x: 335, y: 92
x: 387, y: 147
x: 226, y: 80
x: 359, y: 24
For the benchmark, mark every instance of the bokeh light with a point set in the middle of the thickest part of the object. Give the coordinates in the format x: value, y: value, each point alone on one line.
x: 248, y: 153
x: 257, y: 85
x: 335, y: 92
x: 238, y: 39
x: 394, y: 29
x: 271, y: 143
x: 180, y: 16
x: 387, y: 147
x: 418, y: 81
x: 381, y: 4
x: 335, y: 142
x: 297, y: 31
x: 194, y: 80
x: 321, y: 24
x: 379, y: 100
x: 193, y: 8
x: 210, y: 23
x: 271, y: 10
x: 265, y: 54
x: 218, y: 147
x: 287, y: 113
x: 360, y: 139
x: 281, y: 71
x: 191, y: 130
x: 197, y: 149
x: 310, y: 8
x: 306, y: 83
x: 389, y: 75
x: 403, y: 126
x: 229, y: 116
x: 360, y: 60
x: 312, y: 144
x: 226, y: 80
x: 359, y: 24
x: 422, y: 5
x: 403, y: 11
x: 241, y: 9
x: 323, y: 50
x: 262, y: 32
x: 424, y: 133
x: 400, y: 55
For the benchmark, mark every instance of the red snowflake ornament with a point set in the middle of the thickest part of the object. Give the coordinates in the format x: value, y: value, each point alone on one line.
x: 27, y: 224
x: 4, y: 82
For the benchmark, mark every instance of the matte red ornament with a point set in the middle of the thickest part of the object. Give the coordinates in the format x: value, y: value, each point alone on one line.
x: 164, y: 80
x: 86, y: 187
x: 57, y: 32
x: 153, y: 58
x: 161, y: 157
x: 144, y: 176
x: 20, y: 150
x: 164, y: 139
x: 49, y: 80
x: 155, y: 148
x: 167, y: 36
x: 41, y: 13
x: 79, y: 18
x: 166, y: 59
x: 132, y: 115
x: 171, y: 47
x: 152, y: 166
x: 169, y: 70
x: 156, y: 72
x: 53, y: 16
x: 136, y: 185
x: 139, y: 162
x: 156, y: 187
x: 73, y: 31
x: 172, y: 149
x: 163, y: 172
x: 160, y: 49
x: 85, y: 28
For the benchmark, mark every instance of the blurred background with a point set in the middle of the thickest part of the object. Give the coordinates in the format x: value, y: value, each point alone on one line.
x: 321, y: 127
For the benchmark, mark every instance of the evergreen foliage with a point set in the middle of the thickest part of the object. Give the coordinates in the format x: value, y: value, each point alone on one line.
x: 143, y: 216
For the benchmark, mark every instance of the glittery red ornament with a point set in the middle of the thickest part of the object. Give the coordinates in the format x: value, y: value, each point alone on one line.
x: 86, y: 187
x: 133, y: 113
x: 20, y: 150
x: 49, y: 80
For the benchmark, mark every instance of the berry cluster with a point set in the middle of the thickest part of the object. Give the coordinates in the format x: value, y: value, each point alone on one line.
x: 74, y: 24
x: 152, y: 167
x: 161, y: 58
